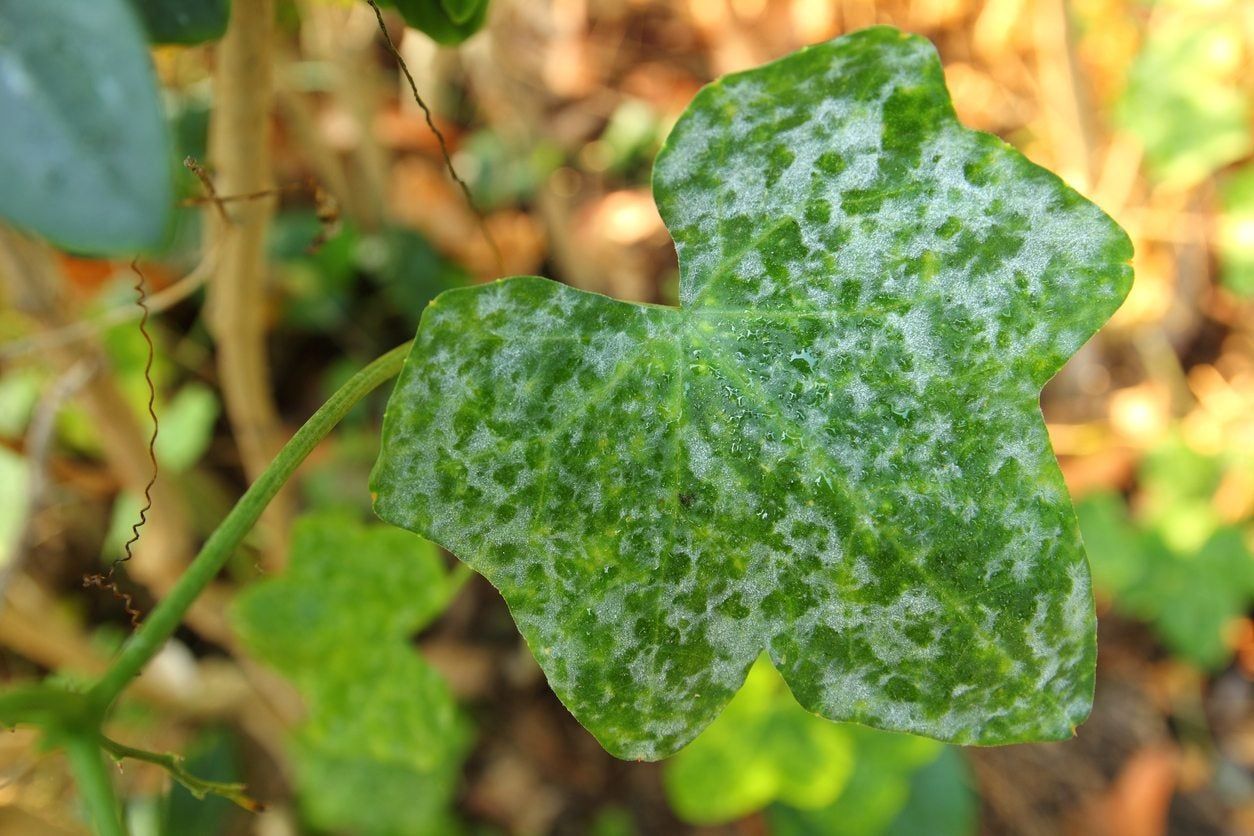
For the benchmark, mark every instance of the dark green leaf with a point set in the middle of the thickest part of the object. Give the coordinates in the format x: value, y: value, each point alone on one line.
x: 184, y: 21
x: 460, y: 11
x: 84, y: 155
x: 382, y: 724
x: 833, y: 450
x: 433, y: 18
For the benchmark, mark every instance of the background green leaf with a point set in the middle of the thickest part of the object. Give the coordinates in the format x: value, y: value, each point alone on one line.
x: 184, y: 21
x: 1184, y: 98
x: 382, y: 724
x: 447, y: 22
x: 762, y: 748
x: 84, y: 154
x: 832, y: 450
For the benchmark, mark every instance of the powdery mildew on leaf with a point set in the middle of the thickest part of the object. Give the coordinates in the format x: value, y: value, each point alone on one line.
x: 833, y: 450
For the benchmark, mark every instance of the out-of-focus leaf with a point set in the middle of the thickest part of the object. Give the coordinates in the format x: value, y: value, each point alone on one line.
x: 19, y: 392
x: 1188, y: 595
x: 1177, y: 484
x: 212, y: 757
x: 460, y: 11
x: 84, y: 152
x: 1236, y: 233
x: 763, y: 748
x: 1112, y: 543
x: 497, y: 174
x: 832, y: 450
x: 184, y: 21
x: 408, y: 270
x: 447, y: 22
x: 14, y: 496
x: 317, y: 283
x: 1183, y: 100
x: 941, y: 800
x: 886, y: 791
x: 186, y: 427
x: 381, y: 749
x: 1192, y: 598
x: 632, y: 135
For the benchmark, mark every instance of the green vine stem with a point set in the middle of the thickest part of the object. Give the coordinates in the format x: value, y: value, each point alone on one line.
x: 95, y: 784
x: 165, y: 618
x: 174, y: 764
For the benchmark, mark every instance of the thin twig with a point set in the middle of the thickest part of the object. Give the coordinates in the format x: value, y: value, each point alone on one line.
x: 448, y: 160
x: 206, y: 182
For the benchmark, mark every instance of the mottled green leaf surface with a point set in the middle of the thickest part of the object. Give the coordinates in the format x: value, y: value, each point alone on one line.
x: 84, y: 153
x: 381, y: 723
x: 833, y: 450
x: 763, y: 748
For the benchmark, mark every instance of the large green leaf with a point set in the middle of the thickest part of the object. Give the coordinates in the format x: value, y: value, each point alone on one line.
x: 832, y: 451
x: 84, y: 155
x: 382, y: 724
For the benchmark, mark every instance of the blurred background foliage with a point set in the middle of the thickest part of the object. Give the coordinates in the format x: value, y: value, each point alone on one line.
x: 355, y: 680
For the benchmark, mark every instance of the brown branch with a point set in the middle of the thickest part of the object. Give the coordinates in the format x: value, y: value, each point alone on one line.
x: 238, y: 145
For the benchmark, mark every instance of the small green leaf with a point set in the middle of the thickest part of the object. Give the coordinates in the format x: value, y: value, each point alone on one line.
x: 84, y: 153
x: 763, y: 748
x: 1188, y: 589
x: 900, y: 785
x: 382, y: 724
x: 1236, y: 232
x: 447, y: 22
x: 833, y: 450
x: 186, y: 427
x: 1185, y: 100
x: 184, y: 21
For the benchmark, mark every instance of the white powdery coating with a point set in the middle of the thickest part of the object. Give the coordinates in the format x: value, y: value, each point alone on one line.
x: 832, y: 451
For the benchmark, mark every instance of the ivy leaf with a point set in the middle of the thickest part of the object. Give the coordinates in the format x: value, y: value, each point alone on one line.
x: 1190, y: 596
x: 763, y: 748
x: 382, y: 724
x: 833, y: 450
x: 447, y: 22
x: 184, y: 21
x: 84, y: 152
x: 901, y: 784
x: 1186, y: 100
